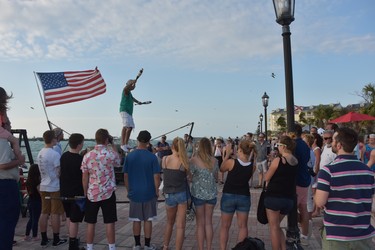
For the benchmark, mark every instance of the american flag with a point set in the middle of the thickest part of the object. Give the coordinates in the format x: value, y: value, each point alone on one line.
x: 72, y: 86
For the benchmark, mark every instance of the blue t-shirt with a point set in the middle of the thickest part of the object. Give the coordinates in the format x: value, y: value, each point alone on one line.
x: 302, y: 153
x: 141, y: 165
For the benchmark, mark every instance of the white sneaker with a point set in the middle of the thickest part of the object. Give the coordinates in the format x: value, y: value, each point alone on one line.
x: 138, y: 247
x: 149, y: 248
x: 304, y: 240
x: 124, y: 148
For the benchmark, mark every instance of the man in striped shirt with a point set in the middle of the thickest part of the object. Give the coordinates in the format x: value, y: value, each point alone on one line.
x: 345, y: 190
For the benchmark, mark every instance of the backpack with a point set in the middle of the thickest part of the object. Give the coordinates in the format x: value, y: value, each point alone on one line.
x: 250, y: 243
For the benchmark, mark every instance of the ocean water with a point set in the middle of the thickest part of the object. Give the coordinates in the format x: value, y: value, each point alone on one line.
x: 36, y: 146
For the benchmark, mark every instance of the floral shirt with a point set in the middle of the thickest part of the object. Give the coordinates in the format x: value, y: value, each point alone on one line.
x: 100, y: 163
x: 203, y: 182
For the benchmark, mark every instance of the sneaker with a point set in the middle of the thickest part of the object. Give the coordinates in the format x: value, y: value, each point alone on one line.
x: 124, y: 148
x: 60, y: 242
x: 138, y: 247
x: 310, y: 229
x: 35, y: 238
x: 149, y: 248
x: 45, y: 243
x: 27, y: 238
x: 304, y: 240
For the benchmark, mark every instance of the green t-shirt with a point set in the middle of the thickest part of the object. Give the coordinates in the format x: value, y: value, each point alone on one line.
x: 127, y: 103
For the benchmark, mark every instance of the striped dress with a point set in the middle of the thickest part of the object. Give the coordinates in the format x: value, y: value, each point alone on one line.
x: 350, y: 185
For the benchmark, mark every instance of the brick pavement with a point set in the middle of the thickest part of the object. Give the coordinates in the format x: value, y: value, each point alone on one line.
x: 124, y: 237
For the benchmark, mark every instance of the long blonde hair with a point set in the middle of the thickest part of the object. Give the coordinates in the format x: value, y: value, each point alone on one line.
x: 178, y: 145
x: 205, y: 152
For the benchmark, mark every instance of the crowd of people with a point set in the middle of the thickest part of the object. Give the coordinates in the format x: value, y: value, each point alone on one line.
x: 306, y: 173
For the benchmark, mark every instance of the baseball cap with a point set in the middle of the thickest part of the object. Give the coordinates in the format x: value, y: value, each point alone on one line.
x: 144, y: 136
x: 372, y: 136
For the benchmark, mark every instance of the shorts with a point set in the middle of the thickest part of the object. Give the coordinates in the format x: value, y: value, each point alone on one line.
x: 302, y: 195
x: 73, y: 212
x: 338, y: 245
x: 231, y: 203
x: 127, y: 120
x: 108, y: 210
x: 284, y: 205
x: 262, y: 166
x: 174, y: 199
x: 142, y: 211
x: 199, y: 202
x: 52, y: 205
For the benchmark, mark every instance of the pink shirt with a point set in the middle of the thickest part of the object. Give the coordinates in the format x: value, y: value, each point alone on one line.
x: 100, y: 163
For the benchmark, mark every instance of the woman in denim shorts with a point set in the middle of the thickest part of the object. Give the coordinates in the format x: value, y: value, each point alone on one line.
x: 204, y: 169
x: 236, y: 191
x: 175, y: 168
x: 281, y: 186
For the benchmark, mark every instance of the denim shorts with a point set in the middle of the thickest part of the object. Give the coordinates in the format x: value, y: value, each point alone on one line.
x: 231, y: 203
x: 284, y: 205
x: 174, y: 199
x: 199, y: 202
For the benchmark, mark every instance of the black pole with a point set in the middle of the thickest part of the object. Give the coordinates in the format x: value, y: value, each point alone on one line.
x: 261, y: 126
x: 265, y: 122
x: 292, y: 233
x: 288, y: 79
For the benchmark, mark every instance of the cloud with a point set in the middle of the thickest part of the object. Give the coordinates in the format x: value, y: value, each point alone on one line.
x: 187, y: 31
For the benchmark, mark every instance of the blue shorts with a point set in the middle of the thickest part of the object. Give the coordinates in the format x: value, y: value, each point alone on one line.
x: 284, y: 205
x: 174, y: 199
x: 199, y: 202
x: 231, y: 203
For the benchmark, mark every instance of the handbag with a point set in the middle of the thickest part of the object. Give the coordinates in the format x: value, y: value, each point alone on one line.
x: 261, y: 211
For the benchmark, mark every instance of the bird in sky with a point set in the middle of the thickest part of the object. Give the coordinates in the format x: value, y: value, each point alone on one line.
x: 273, y: 75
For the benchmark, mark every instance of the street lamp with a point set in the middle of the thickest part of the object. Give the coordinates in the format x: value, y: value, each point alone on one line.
x: 284, y: 10
x: 261, y: 120
x: 265, y: 98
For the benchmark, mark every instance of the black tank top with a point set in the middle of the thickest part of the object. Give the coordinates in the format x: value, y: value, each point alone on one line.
x: 174, y: 180
x: 283, y: 181
x: 238, y: 179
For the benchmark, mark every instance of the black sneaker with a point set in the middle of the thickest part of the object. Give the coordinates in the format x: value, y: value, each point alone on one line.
x: 60, y: 242
x: 45, y: 243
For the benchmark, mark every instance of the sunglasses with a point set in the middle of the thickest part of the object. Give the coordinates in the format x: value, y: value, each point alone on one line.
x: 327, y: 138
x: 280, y: 144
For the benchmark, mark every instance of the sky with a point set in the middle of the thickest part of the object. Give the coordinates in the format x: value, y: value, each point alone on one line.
x: 207, y: 62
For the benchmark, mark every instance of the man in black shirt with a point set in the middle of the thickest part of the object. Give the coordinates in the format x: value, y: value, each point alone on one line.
x: 71, y: 187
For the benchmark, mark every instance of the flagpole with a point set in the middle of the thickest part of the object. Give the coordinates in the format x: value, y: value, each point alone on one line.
x: 41, y: 98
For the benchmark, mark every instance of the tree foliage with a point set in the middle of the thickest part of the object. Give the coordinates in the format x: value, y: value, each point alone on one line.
x: 281, y: 123
x: 322, y: 114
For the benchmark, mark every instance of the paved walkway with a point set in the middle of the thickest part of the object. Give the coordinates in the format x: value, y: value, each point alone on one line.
x: 125, y: 240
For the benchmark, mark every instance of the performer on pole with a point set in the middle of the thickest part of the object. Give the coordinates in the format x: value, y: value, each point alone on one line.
x: 126, y: 111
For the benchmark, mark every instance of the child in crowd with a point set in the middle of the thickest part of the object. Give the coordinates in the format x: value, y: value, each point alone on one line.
x: 71, y: 186
x: 34, y: 204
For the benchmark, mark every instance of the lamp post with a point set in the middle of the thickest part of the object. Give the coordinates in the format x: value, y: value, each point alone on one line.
x: 261, y: 120
x: 284, y: 10
x: 265, y: 98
